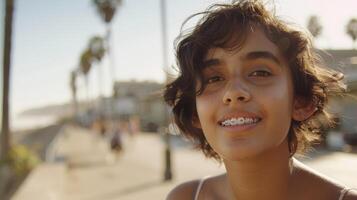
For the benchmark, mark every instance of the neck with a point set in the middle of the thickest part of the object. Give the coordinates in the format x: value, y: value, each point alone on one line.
x: 266, y: 176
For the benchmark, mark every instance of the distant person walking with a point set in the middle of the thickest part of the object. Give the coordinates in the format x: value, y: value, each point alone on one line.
x: 116, y: 142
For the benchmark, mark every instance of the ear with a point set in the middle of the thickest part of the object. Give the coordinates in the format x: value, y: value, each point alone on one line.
x: 303, y: 109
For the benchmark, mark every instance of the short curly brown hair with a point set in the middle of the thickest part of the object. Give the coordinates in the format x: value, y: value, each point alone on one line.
x: 226, y: 26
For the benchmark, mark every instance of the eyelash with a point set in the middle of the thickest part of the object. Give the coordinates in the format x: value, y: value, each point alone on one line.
x: 213, y: 79
x: 257, y: 73
x: 261, y: 73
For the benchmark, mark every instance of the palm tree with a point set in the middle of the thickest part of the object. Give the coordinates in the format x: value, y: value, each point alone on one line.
x: 314, y: 26
x: 5, y: 130
x: 107, y: 9
x: 97, y: 48
x: 351, y: 29
x: 85, y: 65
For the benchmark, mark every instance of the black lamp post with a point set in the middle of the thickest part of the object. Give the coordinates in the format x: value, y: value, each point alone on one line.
x: 165, y: 132
x: 168, y: 171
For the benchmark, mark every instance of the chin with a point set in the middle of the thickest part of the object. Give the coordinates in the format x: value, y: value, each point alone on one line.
x: 239, y: 153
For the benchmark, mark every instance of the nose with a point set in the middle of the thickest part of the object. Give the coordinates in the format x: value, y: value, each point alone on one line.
x: 236, y: 92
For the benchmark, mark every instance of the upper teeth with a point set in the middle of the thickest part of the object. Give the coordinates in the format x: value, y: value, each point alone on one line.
x: 239, y: 121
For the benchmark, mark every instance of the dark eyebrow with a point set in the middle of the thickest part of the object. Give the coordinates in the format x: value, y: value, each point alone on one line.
x: 210, y: 63
x: 249, y: 56
x: 262, y: 54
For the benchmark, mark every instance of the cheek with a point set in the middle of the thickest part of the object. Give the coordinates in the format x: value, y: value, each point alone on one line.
x: 281, y: 106
x: 206, y: 108
x: 282, y: 98
x: 205, y: 105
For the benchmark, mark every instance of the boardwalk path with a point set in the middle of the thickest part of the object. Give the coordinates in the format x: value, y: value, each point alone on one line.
x: 93, y: 173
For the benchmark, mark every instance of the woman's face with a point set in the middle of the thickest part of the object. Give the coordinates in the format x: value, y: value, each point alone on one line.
x: 246, y: 107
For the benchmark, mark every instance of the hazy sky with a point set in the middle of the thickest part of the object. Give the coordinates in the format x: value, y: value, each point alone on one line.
x: 50, y: 35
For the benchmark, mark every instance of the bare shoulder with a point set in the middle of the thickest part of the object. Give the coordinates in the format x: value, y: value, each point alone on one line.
x: 183, y: 191
x: 316, y: 184
x: 351, y: 195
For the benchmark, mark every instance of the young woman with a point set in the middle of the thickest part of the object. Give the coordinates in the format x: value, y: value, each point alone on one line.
x: 249, y: 92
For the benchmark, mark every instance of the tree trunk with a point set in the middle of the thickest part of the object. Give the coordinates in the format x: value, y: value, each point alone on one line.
x: 112, y: 71
x: 74, y: 98
x: 5, y: 136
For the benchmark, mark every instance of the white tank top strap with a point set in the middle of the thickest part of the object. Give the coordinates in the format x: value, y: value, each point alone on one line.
x: 199, y: 187
x: 344, y: 192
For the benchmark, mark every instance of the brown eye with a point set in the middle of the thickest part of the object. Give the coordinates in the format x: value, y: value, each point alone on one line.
x: 261, y: 73
x: 213, y: 79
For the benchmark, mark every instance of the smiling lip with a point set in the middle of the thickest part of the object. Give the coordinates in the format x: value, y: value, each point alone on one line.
x: 239, y: 127
x: 239, y: 115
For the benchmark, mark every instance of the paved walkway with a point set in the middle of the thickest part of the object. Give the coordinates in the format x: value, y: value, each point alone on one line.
x: 94, y: 173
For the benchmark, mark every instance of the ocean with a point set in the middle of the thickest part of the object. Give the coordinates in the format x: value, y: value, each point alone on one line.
x: 26, y: 122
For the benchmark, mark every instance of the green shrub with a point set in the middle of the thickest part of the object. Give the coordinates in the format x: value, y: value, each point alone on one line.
x: 21, y: 160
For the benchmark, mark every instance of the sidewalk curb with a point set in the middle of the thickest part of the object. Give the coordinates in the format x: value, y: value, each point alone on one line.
x: 52, y: 153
